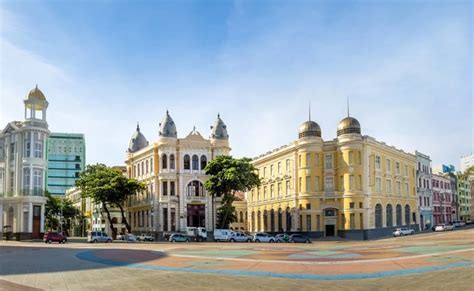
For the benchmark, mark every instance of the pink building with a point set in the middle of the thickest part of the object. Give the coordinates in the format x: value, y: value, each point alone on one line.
x: 442, y: 199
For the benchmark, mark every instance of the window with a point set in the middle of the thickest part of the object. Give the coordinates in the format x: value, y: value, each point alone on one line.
x: 164, y: 161
x: 351, y: 157
x: 351, y: 205
x: 308, y: 184
x: 316, y: 158
x: 378, y: 184
x: 38, y: 145
x: 406, y: 189
x: 351, y: 182
x: 397, y: 167
x: 389, y: 215
x: 308, y: 222
x: 308, y: 160
x: 37, y: 182
x: 271, y: 170
x: 328, y: 184
x: 165, y: 188
x: 389, y: 186
x: 316, y: 184
x: 360, y: 182
x: 195, y: 162
x: 172, y: 188
x: 341, y: 183
x: 287, y: 165
x: 195, y: 188
x: 407, y: 214
x: 12, y: 182
x: 287, y: 190
x: 377, y: 162
x: 279, y: 189
x: 352, y: 220
x: 279, y: 168
x: 272, y: 191
x: 360, y: 157
x: 389, y: 165
x: 378, y: 216
x: 361, y: 205
x: 308, y: 206
x: 146, y: 166
x: 398, y: 187
x: 300, y: 184
x: 27, y: 145
x: 26, y: 179
x: 328, y: 163
x: 203, y: 162
x: 187, y: 162
x: 399, y: 215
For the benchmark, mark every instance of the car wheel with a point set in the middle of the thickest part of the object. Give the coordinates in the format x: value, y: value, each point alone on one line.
x: 95, y: 241
x: 187, y: 240
x: 63, y: 241
x: 109, y: 241
x: 271, y: 241
x: 249, y: 240
x: 232, y: 240
x: 173, y: 240
x: 49, y: 241
x: 307, y: 241
x: 257, y: 240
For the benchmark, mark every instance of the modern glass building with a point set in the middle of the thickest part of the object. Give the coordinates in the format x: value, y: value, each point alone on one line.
x: 66, y: 159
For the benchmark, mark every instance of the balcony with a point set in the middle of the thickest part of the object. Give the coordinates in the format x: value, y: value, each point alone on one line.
x: 196, y: 199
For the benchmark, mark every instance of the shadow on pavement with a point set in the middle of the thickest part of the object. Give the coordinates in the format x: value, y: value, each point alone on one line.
x: 16, y: 260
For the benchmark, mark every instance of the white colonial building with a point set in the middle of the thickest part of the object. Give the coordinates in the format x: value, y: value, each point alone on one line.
x: 23, y: 165
x: 173, y: 170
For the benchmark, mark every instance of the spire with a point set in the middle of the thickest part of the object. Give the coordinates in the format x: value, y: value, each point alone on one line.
x: 347, y: 106
x: 309, y: 110
x: 218, y: 115
x: 36, y: 86
x: 138, y: 126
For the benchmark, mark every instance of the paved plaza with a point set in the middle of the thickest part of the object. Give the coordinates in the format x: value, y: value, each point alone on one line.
x: 426, y: 261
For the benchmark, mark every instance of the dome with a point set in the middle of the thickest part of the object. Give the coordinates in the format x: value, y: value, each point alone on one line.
x: 219, y: 130
x: 137, y: 142
x: 309, y: 128
x: 348, y: 125
x: 167, y: 127
x: 36, y: 94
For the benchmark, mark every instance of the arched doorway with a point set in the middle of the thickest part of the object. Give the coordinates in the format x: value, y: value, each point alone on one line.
x: 259, y: 220
x: 272, y: 220
x: 280, y: 220
x: 330, y: 217
x: 378, y: 216
x: 10, y: 216
x: 389, y: 215
x: 288, y: 219
x: 265, y: 220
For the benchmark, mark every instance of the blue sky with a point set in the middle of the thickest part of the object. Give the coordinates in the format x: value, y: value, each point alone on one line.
x: 104, y: 65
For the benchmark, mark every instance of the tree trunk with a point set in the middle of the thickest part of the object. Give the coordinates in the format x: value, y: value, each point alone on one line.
x: 114, y: 231
x: 124, y: 219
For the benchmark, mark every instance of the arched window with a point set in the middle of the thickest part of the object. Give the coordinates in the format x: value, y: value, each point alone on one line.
x: 195, y: 162
x: 253, y: 221
x: 389, y: 215
x: 378, y: 216
x: 187, y: 162
x: 195, y: 188
x: 280, y: 220
x: 407, y: 214
x: 272, y: 220
x: 259, y: 221
x: 146, y: 166
x: 399, y: 215
x: 265, y: 220
x: 172, y: 162
x: 203, y: 162
x: 164, y: 161
x: 241, y: 214
x: 288, y: 219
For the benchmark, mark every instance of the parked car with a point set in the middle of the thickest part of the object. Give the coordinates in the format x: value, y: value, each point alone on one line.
x: 52, y: 236
x: 403, y: 231
x: 282, y: 237
x: 222, y: 234
x: 145, y: 237
x: 459, y: 223
x: 263, y: 237
x: 299, y: 238
x: 98, y: 236
x: 444, y: 227
x: 238, y: 236
x: 177, y: 237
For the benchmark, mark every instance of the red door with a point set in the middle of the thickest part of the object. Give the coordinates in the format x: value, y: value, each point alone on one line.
x: 36, y: 221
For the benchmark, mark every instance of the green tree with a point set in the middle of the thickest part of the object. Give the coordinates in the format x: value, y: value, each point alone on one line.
x: 228, y: 175
x: 59, y: 211
x: 109, y: 187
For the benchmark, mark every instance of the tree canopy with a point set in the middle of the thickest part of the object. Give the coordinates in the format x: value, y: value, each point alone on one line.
x: 226, y: 176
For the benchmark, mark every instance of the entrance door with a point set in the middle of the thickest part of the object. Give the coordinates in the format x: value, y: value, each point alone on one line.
x: 196, y: 215
x: 36, y: 221
x: 330, y: 230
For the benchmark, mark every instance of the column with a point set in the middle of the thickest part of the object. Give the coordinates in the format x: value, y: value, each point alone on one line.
x: 30, y: 218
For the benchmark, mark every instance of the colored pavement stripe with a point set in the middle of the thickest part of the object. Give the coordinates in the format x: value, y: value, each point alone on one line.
x: 89, y: 256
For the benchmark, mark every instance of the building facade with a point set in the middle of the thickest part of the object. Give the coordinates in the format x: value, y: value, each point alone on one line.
x: 424, y: 190
x: 173, y: 170
x: 467, y: 161
x: 81, y: 225
x: 442, y: 199
x: 353, y: 186
x: 23, y: 167
x: 464, y: 197
x: 66, y: 159
x: 240, y: 205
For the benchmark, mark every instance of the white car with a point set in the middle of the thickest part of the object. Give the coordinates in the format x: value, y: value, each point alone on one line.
x: 403, y: 231
x: 98, y: 236
x: 444, y: 227
x: 459, y: 223
x: 145, y: 237
x: 238, y: 236
x: 263, y: 237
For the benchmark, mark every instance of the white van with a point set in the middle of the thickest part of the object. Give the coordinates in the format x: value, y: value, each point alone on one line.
x: 222, y: 234
x: 196, y: 233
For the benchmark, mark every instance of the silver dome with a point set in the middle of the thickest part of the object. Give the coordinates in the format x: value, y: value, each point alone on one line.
x: 167, y: 127
x: 309, y: 128
x: 348, y: 125
x: 137, y: 142
x: 219, y: 130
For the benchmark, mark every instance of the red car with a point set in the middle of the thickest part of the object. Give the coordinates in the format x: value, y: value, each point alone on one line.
x: 50, y: 236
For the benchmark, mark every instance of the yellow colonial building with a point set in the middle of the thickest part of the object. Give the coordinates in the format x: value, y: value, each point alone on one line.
x: 352, y: 186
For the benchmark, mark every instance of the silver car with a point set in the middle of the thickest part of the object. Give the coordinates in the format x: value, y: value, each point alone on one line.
x: 98, y: 236
x: 238, y: 236
x: 403, y: 231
